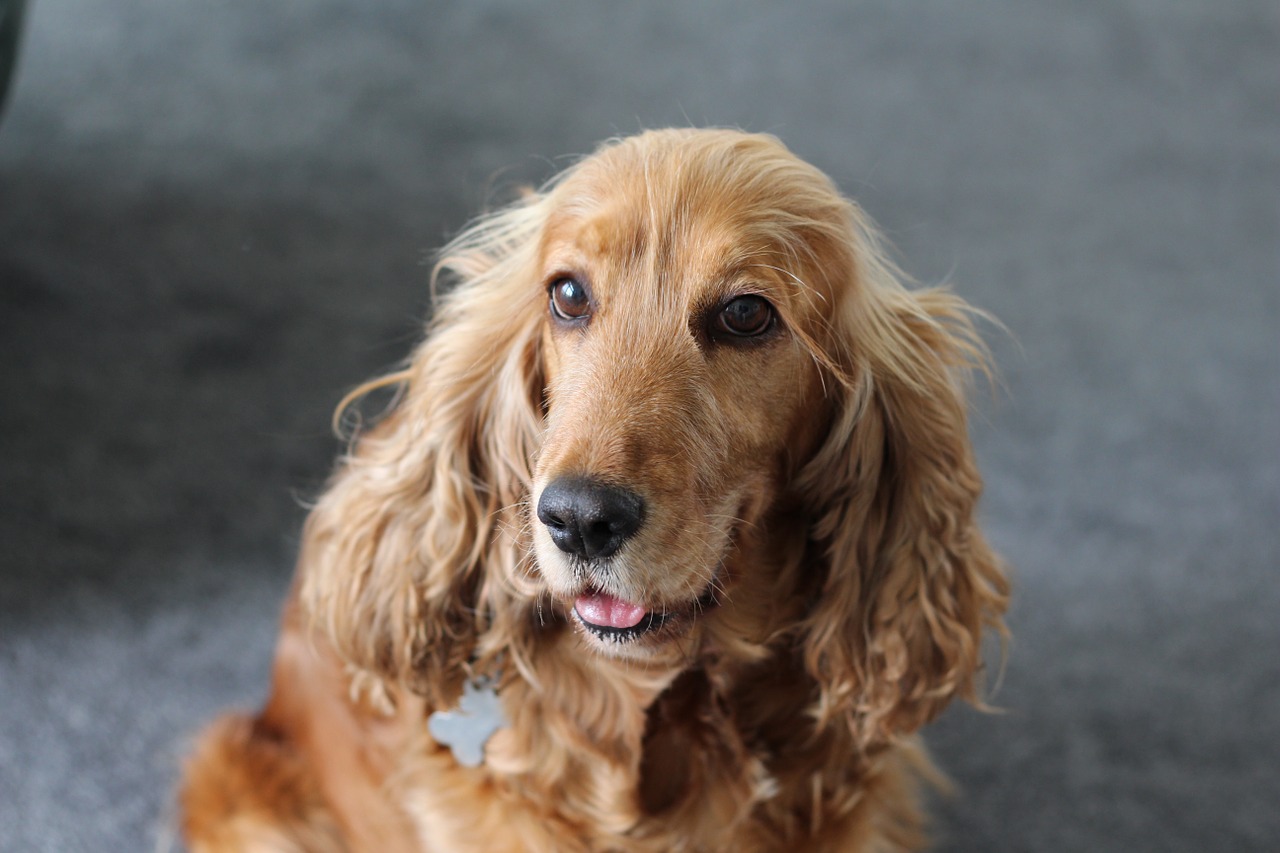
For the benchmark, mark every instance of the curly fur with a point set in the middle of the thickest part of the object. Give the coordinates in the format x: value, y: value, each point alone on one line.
x: 821, y: 485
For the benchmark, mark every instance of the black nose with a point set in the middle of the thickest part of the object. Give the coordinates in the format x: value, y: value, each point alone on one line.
x: 589, y: 518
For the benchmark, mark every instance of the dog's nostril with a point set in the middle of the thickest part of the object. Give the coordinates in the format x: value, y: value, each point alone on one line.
x: 589, y: 518
x: 552, y: 520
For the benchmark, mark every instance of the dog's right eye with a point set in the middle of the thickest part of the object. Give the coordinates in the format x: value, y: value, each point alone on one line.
x: 569, y: 300
x: 747, y: 316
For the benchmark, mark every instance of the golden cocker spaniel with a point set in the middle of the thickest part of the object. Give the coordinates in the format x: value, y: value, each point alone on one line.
x: 678, y: 487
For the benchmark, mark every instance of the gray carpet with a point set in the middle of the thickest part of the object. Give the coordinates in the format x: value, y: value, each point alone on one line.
x: 213, y: 221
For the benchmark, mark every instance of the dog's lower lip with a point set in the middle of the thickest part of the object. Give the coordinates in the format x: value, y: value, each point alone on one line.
x: 651, y: 621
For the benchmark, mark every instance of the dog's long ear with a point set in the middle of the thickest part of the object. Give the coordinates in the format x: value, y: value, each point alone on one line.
x: 400, y: 555
x: 896, y: 630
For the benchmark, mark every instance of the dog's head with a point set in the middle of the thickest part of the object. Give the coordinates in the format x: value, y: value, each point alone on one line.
x: 675, y: 271
x: 679, y: 399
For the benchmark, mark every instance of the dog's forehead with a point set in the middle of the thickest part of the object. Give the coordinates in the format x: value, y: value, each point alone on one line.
x: 620, y: 237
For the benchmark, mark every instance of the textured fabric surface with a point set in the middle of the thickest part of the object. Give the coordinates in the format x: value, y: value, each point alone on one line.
x: 214, y: 219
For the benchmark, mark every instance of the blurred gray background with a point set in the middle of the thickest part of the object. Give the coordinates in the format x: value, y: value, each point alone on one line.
x: 214, y: 218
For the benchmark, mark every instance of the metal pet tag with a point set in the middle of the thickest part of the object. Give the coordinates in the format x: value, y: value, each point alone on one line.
x: 467, y: 728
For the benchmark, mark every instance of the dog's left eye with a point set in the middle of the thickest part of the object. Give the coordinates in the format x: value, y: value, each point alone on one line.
x: 569, y: 299
x: 745, y: 317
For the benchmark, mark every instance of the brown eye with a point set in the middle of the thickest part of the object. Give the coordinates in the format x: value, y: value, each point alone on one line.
x: 745, y: 317
x: 569, y: 299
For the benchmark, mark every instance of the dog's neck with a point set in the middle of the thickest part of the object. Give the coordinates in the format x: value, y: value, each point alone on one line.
x: 639, y: 746
x: 631, y: 741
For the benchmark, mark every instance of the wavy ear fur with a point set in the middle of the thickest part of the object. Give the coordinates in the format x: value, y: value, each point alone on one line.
x: 896, y: 630
x: 392, y: 552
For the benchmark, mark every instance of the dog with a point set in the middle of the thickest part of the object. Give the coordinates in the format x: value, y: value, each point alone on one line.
x: 679, y: 486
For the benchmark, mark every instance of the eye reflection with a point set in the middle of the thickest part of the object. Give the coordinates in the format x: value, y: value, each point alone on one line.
x: 569, y: 299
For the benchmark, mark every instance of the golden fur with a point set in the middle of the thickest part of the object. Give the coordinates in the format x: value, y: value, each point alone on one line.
x: 810, y: 527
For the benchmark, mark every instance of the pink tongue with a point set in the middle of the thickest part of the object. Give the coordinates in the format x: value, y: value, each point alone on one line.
x: 608, y: 612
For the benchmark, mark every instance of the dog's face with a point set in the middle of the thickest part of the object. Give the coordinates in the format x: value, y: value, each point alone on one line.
x: 728, y: 426
x: 678, y: 394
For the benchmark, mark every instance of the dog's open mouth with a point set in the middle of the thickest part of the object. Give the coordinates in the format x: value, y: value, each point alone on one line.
x: 611, y: 618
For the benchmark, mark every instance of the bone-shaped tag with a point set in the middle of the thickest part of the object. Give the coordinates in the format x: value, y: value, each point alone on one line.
x: 467, y: 728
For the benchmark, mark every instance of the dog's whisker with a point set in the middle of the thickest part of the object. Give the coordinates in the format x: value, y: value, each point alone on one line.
x: 800, y: 284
